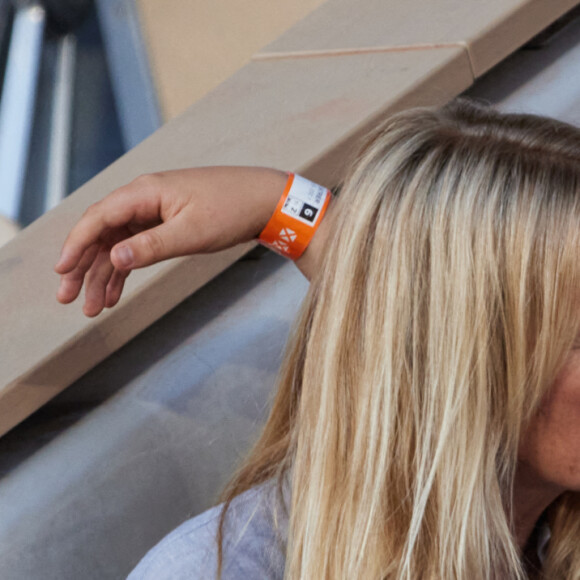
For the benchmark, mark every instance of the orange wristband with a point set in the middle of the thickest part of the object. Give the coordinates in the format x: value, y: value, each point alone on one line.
x: 297, y: 216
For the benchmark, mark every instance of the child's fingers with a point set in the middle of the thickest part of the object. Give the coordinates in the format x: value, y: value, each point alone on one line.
x: 72, y: 282
x: 97, y: 279
x: 136, y: 202
x: 115, y: 287
x: 167, y: 240
x: 85, y: 233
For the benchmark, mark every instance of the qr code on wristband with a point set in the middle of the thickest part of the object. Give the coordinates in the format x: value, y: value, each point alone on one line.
x: 304, y: 200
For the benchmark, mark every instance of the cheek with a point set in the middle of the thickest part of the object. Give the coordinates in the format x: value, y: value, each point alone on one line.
x: 551, y: 445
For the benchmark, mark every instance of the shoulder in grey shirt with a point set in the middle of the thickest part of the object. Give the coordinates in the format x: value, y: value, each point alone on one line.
x: 252, y: 548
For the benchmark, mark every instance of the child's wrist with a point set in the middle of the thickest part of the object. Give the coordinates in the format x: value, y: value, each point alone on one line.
x: 296, y: 218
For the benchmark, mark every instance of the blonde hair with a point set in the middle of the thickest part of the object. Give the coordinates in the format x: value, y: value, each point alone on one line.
x: 444, y: 308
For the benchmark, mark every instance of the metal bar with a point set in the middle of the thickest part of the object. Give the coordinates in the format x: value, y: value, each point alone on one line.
x: 135, y: 93
x: 5, y: 14
x: 61, y: 121
x: 17, y: 104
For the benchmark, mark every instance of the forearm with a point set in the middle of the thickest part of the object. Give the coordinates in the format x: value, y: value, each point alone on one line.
x: 168, y: 214
x: 262, y: 187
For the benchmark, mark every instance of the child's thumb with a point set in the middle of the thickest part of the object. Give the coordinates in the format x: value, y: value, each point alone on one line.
x: 144, y: 249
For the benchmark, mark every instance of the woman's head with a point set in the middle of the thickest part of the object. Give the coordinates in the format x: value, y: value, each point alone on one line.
x: 446, y: 306
x: 456, y: 250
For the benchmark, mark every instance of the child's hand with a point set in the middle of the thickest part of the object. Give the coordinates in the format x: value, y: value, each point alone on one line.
x: 161, y: 216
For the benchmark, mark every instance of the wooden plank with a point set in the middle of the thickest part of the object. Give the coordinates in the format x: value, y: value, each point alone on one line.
x: 489, y: 30
x: 194, y: 45
x: 8, y: 229
x: 298, y: 115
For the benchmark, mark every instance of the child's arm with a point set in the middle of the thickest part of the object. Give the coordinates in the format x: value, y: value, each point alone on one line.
x: 164, y: 215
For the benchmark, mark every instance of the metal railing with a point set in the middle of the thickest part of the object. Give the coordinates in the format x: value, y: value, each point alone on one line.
x: 39, y: 72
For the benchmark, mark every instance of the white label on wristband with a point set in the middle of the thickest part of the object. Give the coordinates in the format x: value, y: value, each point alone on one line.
x: 304, y: 201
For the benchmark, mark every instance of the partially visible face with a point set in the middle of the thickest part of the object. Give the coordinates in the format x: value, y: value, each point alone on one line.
x: 550, y: 448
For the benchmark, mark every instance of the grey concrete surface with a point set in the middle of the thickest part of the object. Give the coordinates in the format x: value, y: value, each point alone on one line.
x: 150, y: 436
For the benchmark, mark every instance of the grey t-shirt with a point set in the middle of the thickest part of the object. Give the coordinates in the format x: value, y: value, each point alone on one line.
x: 252, y: 550
x: 252, y: 547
